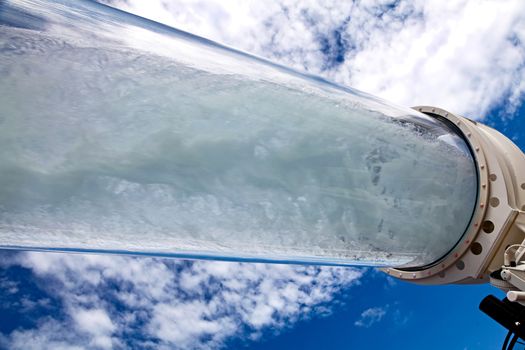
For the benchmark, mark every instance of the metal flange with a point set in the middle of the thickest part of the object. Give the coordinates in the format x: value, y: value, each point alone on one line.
x: 468, y: 260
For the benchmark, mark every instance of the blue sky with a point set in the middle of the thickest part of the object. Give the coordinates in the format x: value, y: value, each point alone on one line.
x: 464, y: 56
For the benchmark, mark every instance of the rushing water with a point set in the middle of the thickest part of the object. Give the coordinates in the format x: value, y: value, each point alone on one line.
x: 120, y: 134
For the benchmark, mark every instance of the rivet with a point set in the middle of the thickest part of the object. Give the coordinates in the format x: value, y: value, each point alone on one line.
x: 467, y: 241
x: 456, y: 255
x: 400, y: 275
x: 414, y: 275
x: 476, y: 224
x: 433, y: 109
x: 484, y: 185
x: 477, y: 149
x: 482, y: 167
x: 446, y: 114
x: 481, y: 205
x: 469, y: 134
x: 421, y: 109
x: 458, y: 123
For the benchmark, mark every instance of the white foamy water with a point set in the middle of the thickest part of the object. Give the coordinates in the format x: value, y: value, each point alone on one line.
x: 118, y: 134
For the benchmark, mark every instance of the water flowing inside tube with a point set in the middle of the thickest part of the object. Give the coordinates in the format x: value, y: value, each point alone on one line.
x: 119, y: 134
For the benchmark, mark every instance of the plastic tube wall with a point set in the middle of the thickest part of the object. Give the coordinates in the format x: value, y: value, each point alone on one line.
x: 119, y: 134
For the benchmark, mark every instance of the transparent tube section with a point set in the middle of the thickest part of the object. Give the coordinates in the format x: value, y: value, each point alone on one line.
x: 119, y: 134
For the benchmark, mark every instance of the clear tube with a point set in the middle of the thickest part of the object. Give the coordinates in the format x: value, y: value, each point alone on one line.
x: 118, y: 134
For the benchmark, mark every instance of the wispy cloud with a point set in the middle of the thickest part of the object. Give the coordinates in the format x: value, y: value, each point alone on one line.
x: 110, y: 301
x: 371, y: 316
x: 465, y: 55
x: 97, y: 324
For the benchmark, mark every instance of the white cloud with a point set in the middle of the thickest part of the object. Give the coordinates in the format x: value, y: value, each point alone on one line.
x: 466, y: 56
x: 97, y: 323
x: 184, y: 323
x: 371, y: 316
x: 459, y: 55
x: 174, y: 303
x: 8, y: 286
x: 48, y: 335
